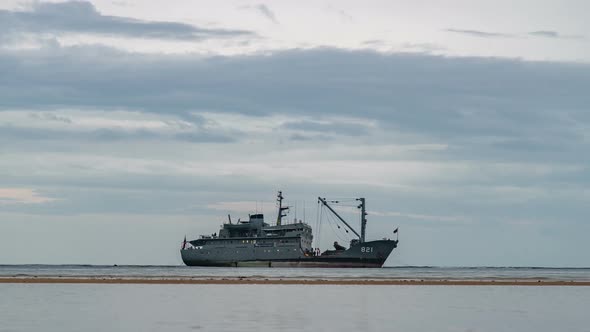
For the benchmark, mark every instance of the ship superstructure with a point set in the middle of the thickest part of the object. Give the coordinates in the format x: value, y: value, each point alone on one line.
x: 254, y: 242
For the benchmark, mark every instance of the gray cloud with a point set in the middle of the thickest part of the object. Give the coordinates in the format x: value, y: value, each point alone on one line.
x: 264, y: 11
x: 207, y: 137
x: 483, y: 34
x: 82, y: 17
x: 553, y: 34
x: 51, y: 117
x: 493, y: 108
x: 545, y: 33
x: 539, y: 33
x: 20, y: 134
x: 377, y: 42
x: 345, y: 129
x: 299, y: 137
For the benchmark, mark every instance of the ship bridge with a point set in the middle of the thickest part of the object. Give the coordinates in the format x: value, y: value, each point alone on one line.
x: 250, y: 228
x: 297, y: 229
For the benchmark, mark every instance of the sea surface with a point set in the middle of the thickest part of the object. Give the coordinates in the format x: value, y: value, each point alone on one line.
x: 261, y: 308
x: 439, y: 273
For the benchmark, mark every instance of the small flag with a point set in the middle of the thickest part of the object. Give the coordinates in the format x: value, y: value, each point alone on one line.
x: 395, y: 230
x: 184, y: 242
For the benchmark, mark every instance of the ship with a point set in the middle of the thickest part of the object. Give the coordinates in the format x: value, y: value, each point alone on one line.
x: 253, y: 242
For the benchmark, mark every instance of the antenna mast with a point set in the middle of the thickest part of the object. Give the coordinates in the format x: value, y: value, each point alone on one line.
x: 281, y: 208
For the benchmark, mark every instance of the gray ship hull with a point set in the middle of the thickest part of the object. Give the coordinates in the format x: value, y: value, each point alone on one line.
x: 366, y: 254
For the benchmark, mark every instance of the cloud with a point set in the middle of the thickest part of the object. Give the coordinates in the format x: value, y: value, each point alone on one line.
x: 93, y: 125
x: 482, y: 34
x: 553, y: 34
x: 539, y: 33
x: 473, y: 104
x: 345, y: 16
x: 51, y: 117
x: 432, y: 131
x: 264, y: 11
x: 83, y: 17
x: 323, y: 127
x: 241, y: 206
x: 545, y: 33
x: 110, y: 135
x: 424, y: 217
x: 423, y: 47
x: 303, y: 138
x: 374, y: 42
x: 9, y: 196
x: 12, y: 133
x: 206, y: 137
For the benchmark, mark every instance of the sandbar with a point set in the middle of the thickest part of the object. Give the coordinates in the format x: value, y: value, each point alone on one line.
x: 289, y: 281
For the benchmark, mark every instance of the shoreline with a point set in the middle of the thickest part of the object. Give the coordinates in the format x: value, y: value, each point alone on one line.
x: 280, y: 281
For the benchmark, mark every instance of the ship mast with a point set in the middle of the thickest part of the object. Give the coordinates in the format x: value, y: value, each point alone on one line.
x: 281, y: 208
x: 363, y: 218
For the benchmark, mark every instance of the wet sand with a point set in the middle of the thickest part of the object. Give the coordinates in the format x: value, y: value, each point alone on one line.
x: 287, y: 281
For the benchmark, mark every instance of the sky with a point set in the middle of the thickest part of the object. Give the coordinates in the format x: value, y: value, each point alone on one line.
x: 126, y: 125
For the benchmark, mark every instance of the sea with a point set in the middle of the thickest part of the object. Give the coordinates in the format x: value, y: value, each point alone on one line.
x: 270, y: 307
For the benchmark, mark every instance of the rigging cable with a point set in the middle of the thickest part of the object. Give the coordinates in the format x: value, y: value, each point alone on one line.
x: 319, y: 224
x: 331, y: 219
x: 344, y: 227
x: 346, y: 232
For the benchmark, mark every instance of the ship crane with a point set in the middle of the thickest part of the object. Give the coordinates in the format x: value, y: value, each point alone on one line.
x: 363, y: 217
